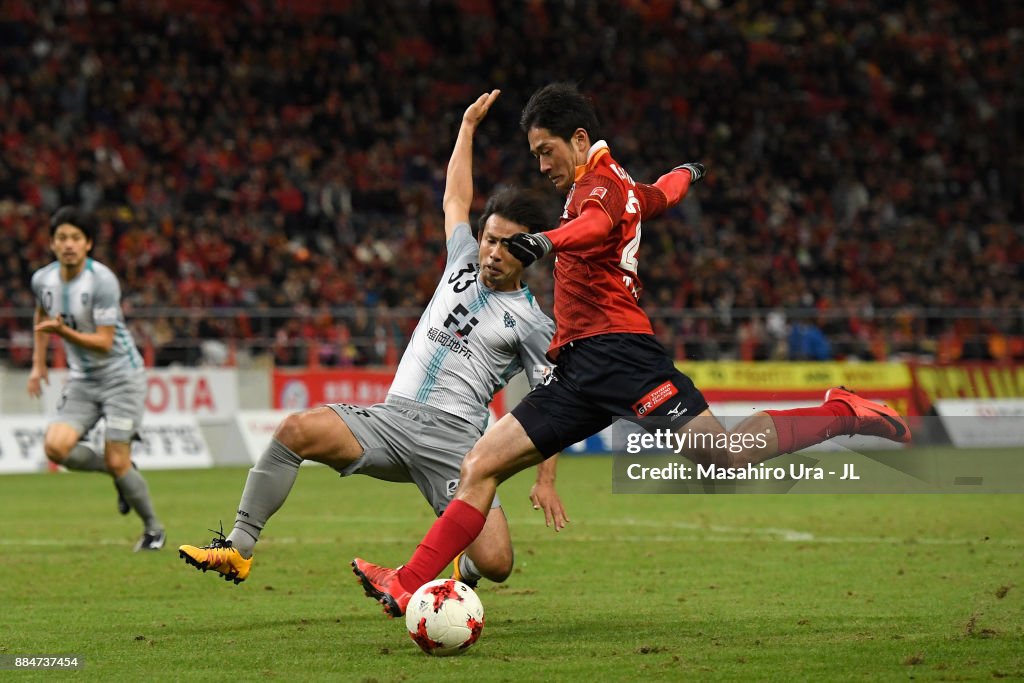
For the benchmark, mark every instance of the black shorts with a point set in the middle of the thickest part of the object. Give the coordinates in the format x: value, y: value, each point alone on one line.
x: 602, y: 378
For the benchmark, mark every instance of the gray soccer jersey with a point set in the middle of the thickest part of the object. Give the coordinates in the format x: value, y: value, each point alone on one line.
x: 90, y: 300
x: 471, y: 339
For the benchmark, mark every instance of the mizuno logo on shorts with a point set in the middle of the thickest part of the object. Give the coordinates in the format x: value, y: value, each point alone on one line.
x: 655, y: 398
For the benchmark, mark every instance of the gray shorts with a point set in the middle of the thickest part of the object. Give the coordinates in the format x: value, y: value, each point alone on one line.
x: 120, y: 399
x: 405, y: 441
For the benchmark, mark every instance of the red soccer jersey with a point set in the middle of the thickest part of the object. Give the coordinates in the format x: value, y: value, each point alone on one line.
x: 597, y: 288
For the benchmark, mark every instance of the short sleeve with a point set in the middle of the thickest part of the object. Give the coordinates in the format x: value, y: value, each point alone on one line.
x: 106, y: 299
x: 36, y: 284
x: 461, y: 244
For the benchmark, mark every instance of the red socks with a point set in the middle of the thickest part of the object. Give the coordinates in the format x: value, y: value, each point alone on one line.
x: 802, y: 427
x: 452, y: 533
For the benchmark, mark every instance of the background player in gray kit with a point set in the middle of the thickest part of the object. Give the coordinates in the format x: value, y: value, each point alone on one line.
x: 79, y: 300
x: 480, y: 329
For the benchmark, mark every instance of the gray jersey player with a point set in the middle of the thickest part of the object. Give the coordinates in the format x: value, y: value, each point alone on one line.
x: 79, y: 300
x: 482, y: 326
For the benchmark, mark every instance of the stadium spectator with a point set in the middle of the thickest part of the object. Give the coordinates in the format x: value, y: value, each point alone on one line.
x: 868, y: 159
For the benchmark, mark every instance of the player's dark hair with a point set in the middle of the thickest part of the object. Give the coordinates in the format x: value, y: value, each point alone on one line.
x: 523, y: 207
x: 561, y: 108
x: 76, y: 217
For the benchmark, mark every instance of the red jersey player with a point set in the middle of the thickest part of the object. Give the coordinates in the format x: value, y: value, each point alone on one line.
x: 609, y: 362
x: 597, y: 284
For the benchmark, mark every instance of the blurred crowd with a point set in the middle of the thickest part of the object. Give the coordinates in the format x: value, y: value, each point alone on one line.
x: 276, y: 167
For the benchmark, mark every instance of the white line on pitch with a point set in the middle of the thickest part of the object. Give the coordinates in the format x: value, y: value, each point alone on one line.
x: 742, y: 532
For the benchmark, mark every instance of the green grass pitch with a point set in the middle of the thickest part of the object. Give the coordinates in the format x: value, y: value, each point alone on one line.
x: 640, y: 587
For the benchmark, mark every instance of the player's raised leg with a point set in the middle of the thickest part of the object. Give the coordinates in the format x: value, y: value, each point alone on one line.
x: 502, y: 451
x: 870, y: 418
x: 63, y: 446
x: 318, y: 434
x: 786, y: 431
x: 843, y: 413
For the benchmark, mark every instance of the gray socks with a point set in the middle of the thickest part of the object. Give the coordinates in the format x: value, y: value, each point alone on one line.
x: 468, y: 570
x: 266, y: 489
x: 82, y: 458
x: 132, y: 486
x: 134, y: 489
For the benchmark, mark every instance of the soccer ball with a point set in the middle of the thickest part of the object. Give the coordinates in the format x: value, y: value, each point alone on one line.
x: 444, y: 617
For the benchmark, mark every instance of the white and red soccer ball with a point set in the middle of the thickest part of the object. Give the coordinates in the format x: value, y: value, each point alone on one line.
x: 444, y: 617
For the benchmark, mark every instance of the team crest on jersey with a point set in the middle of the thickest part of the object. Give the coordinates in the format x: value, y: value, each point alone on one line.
x: 509, y: 320
x: 450, y: 487
x: 655, y: 398
x: 599, y: 192
x: 460, y: 321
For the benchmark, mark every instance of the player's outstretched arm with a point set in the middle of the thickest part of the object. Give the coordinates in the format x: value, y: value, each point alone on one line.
x: 587, y: 230
x: 669, y: 189
x: 676, y: 182
x: 458, y: 189
x: 594, y: 223
x: 545, y: 497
